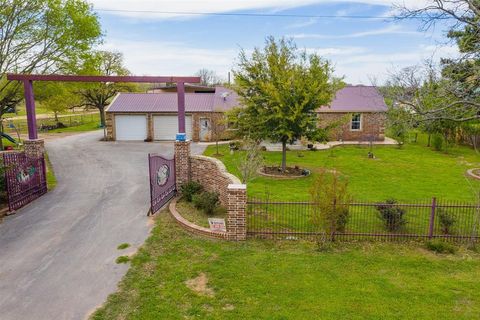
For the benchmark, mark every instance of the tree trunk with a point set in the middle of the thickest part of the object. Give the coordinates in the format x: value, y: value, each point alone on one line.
x: 284, y: 156
x: 216, y: 143
x: 102, y: 117
x: 56, y: 117
x: 429, y: 138
x: 1, y: 137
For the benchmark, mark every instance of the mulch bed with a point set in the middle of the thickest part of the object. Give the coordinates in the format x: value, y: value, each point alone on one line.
x: 290, y: 172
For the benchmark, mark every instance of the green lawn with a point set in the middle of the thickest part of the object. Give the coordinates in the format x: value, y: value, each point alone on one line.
x: 292, y: 280
x: 411, y: 173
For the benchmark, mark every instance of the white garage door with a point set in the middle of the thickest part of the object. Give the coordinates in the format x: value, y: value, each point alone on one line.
x: 166, y: 127
x: 130, y: 127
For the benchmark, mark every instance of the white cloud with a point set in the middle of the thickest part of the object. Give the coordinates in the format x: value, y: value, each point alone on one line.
x: 216, y: 6
x: 303, y: 24
x: 357, y: 64
x: 171, y: 58
x: 392, y: 29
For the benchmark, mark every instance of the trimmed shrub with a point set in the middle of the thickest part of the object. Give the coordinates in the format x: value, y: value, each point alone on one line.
x: 437, y: 142
x: 446, y: 220
x: 189, y: 189
x: 392, y: 216
x: 206, y: 201
x: 440, y: 247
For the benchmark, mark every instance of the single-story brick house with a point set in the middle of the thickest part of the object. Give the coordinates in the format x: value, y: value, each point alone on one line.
x: 361, y: 112
x: 153, y: 116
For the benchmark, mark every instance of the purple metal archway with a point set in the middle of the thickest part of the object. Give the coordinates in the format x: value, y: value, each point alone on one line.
x: 28, y: 80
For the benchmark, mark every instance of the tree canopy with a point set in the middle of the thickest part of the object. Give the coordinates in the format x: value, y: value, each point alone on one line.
x: 40, y: 36
x: 280, y: 88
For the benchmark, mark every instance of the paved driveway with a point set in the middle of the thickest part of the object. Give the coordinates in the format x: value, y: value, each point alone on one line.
x: 57, y: 255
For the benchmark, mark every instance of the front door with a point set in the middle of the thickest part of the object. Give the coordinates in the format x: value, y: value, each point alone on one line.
x: 204, y: 129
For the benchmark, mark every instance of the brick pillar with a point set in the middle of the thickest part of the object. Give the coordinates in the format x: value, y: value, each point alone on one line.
x: 182, y: 162
x: 149, y: 127
x: 237, y: 212
x: 34, y: 148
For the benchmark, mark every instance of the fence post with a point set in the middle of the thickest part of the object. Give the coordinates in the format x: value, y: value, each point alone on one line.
x: 432, y: 218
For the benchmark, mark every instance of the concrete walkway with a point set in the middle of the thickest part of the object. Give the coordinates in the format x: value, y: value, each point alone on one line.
x: 57, y: 255
x: 324, y: 146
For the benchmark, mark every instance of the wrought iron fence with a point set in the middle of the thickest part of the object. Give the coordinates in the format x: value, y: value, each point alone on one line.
x: 430, y: 219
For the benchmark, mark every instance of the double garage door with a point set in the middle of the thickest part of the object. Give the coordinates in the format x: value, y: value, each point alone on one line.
x: 134, y: 127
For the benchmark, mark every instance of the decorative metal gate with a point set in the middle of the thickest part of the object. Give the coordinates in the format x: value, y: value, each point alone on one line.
x: 25, y: 179
x: 162, y: 181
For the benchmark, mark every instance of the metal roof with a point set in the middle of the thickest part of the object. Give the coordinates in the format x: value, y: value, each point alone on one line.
x: 357, y: 99
x: 222, y: 100
x: 348, y: 99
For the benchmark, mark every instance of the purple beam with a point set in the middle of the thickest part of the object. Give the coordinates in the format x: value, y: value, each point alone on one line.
x: 71, y: 78
x: 181, y: 106
x: 30, y: 107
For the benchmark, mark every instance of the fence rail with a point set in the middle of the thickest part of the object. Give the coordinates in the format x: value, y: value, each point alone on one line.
x: 430, y: 219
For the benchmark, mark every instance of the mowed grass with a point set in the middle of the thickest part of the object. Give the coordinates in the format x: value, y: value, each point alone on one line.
x: 291, y: 280
x: 411, y: 173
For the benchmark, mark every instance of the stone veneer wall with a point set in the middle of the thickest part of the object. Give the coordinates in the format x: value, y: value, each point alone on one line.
x: 109, y: 124
x: 212, y: 175
x: 373, y: 124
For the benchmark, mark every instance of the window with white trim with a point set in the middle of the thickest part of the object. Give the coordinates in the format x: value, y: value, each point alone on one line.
x: 356, y: 124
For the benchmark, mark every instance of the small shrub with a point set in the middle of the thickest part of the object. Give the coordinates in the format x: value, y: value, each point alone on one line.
x: 437, y: 142
x: 123, y: 246
x: 206, y: 201
x: 446, y: 220
x: 392, y: 216
x: 189, y: 189
x: 440, y: 247
x: 122, y: 259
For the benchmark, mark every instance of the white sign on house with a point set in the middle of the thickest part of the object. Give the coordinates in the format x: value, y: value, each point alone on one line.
x: 217, y: 224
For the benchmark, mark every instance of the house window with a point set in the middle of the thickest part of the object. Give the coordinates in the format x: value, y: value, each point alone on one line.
x: 356, y: 124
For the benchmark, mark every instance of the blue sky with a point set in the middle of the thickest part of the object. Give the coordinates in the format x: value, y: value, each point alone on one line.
x: 176, y: 44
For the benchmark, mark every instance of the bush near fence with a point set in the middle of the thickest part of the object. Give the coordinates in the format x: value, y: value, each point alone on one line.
x: 292, y: 220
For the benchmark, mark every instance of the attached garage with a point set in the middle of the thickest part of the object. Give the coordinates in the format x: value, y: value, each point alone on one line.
x: 153, y: 116
x: 130, y: 127
x: 165, y: 127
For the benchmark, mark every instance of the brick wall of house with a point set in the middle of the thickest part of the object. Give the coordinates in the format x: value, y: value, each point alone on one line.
x: 212, y: 174
x: 109, y: 123
x: 373, y: 125
x: 216, y: 118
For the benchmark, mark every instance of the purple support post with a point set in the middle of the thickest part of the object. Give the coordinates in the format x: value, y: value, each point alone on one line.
x: 181, y: 106
x: 432, y: 218
x: 30, y: 107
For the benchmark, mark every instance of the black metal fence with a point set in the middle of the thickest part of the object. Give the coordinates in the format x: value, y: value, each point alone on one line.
x: 430, y: 219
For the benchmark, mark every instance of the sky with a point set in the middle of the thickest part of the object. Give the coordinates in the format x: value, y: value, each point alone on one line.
x: 363, y: 51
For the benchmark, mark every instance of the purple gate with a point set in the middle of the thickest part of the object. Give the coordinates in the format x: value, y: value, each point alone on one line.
x: 25, y: 179
x: 162, y: 181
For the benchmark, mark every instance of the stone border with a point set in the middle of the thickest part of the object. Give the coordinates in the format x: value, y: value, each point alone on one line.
x: 191, y: 227
x: 473, y: 175
x: 263, y: 174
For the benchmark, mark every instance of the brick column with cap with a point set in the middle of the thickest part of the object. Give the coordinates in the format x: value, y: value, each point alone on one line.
x: 236, y: 212
x: 34, y: 148
x: 182, y: 162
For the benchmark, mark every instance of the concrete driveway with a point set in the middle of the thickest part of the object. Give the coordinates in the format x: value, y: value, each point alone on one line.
x: 57, y: 255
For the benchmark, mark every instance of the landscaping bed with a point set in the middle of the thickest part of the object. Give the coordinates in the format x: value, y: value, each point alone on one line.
x: 197, y: 216
x: 179, y: 276
x: 290, y: 172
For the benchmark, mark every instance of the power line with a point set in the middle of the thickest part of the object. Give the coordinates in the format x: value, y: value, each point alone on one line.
x: 246, y: 14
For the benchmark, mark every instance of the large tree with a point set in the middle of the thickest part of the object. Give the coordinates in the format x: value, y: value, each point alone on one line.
x: 280, y: 88
x: 99, y: 95
x: 39, y: 36
x: 208, y: 77
x: 457, y: 90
